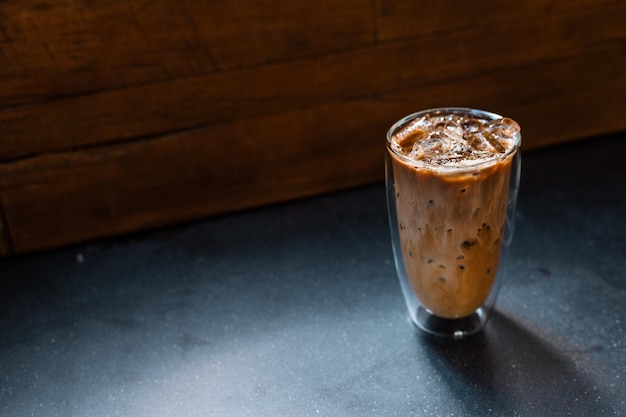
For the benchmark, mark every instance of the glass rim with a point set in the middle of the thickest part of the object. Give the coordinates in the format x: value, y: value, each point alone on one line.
x: 446, y: 168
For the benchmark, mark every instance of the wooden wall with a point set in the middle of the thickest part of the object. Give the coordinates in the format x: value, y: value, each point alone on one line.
x: 117, y: 116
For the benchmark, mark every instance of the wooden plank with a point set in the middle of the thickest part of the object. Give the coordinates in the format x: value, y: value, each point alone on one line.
x: 69, y: 197
x: 387, y: 68
x: 61, y: 198
x: 54, y: 49
x: 554, y: 102
x: 51, y: 49
x: 409, y: 18
x: 244, y: 33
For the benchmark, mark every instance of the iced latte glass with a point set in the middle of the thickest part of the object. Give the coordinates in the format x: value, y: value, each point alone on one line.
x: 452, y: 176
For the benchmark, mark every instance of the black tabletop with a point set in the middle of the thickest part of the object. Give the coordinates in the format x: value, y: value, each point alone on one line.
x: 295, y: 310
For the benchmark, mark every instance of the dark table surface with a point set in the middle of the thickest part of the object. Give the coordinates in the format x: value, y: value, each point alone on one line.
x: 295, y: 310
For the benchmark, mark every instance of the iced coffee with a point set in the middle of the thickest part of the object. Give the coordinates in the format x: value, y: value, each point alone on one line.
x: 451, y: 177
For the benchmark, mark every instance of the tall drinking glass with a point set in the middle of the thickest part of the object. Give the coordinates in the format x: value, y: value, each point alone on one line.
x: 452, y: 177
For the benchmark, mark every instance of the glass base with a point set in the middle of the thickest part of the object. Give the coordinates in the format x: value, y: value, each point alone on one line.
x: 451, y: 328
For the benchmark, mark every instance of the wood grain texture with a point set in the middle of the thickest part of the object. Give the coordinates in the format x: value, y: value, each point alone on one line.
x: 122, y: 116
x: 64, y: 197
x: 405, y: 18
x: 169, y: 106
x: 54, y: 49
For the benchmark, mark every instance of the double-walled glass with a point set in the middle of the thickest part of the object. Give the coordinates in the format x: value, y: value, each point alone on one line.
x: 451, y: 227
